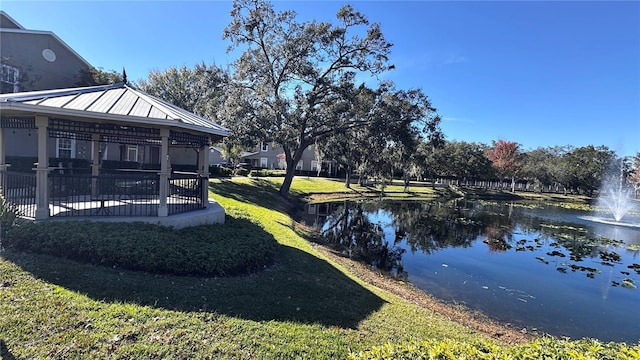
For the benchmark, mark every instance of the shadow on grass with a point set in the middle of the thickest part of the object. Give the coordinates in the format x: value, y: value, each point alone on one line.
x: 5, y: 354
x: 299, y: 288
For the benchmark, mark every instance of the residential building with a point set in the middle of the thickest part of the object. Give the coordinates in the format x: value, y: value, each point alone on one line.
x: 35, y: 59
x: 269, y: 155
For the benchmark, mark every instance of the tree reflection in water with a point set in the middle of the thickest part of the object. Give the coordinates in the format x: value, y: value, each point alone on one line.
x: 431, y: 226
x: 350, y: 231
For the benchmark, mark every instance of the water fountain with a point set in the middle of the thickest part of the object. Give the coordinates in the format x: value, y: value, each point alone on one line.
x: 615, y: 201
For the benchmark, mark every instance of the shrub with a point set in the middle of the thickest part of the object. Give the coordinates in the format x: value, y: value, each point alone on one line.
x: 9, y: 215
x: 218, y: 171
x: 239, y: 246
x: 242, y: 172
x: 543, y: 348
x: 267, y: 172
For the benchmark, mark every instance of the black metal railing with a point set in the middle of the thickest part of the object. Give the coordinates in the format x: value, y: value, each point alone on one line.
x: 123, y: 194
x: 185, y: 192
x: 104, y: 195
x: 19, y: 189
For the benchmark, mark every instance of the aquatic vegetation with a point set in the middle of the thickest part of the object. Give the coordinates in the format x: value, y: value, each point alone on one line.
x: 629, y: 283
x: 633, y: 247
x: 556, y: 253
x: 610, y: 256
x: 542, y: 259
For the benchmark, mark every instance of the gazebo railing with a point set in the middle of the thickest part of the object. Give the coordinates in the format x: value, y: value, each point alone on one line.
x: 77, y: 195
x: 19, y: 189
x: 186, y: 193
x: 122, y: 194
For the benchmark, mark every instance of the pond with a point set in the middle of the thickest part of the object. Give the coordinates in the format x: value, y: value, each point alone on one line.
x: 546, y: 269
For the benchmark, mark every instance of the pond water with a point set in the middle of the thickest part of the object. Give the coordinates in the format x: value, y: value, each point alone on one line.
x: 546, y: 269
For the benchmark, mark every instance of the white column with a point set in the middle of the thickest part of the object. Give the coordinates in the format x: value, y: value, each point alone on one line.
x: 95, y: 164
x: 203, y: 172
x: 165, y: 172
x: 3, y: 164
x: 42, y: 169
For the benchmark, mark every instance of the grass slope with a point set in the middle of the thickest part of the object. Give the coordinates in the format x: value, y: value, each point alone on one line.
x: 302, y: 307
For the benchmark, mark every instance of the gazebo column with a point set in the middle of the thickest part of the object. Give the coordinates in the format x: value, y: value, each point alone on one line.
x: 165, y: 172
x: 42, y: 169
x: 95, y: 165
x: 203, y: 173
x: 3, y: 164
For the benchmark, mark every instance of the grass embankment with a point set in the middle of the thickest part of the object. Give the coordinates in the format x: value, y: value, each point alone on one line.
x: 303, y: 306
x: 309, y: 304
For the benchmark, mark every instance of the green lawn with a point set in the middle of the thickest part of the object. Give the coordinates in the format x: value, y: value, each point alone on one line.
x: 302, y: 307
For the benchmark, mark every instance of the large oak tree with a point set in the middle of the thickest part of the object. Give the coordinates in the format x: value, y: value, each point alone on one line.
x: 293, y: 81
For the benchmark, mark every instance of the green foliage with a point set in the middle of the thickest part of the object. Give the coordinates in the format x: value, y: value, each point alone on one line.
x: 9, y: 216
x: 199, y: 90
x: 267, y: 173
x: 236, y: 247
x: 242, y: 172
x: 543, y: 348
x: 97, y: 76
x: 317, y: 59
x: 218, y: 171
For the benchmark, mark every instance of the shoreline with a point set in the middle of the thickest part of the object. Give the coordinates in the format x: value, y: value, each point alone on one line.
x: 472, y: 319
x: 502, y: 332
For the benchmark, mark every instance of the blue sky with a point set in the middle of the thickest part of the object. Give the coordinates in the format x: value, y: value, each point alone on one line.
x: 541, y: 73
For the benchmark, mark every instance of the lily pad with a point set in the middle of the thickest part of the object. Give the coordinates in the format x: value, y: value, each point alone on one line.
x: 628, y: 283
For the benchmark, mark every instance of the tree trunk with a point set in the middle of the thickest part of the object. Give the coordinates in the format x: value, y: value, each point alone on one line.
x: 513, y: 184
x: 347, y: 180
x: 292, y: 160
x: 288, y: 179
x: 406, y: 183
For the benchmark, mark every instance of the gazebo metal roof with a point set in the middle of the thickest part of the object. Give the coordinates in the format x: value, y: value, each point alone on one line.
x: 118, y: 102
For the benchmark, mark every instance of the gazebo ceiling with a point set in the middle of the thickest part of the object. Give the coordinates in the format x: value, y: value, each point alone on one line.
x: 118, y: 103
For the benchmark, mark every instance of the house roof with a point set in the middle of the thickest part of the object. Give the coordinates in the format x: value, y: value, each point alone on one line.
x: 9, y: 25
x: 7, y: 21
x: 118, y: 102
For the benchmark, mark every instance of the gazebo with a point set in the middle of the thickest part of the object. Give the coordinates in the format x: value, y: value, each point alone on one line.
x: 109, y: 117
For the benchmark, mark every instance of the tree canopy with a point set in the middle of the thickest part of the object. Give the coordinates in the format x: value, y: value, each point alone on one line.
x: 294, y: 82
x: 98, y: 76
x: 199, y: 90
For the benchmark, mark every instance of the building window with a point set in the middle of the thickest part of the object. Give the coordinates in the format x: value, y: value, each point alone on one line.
x: 154, y: 155
x: 264, y: 147
x: 264, y: 162
x: 9, y: 80
x: 314, y: 165
x: 65, y: 147
x: 299, y: 165
x: 132, y: 153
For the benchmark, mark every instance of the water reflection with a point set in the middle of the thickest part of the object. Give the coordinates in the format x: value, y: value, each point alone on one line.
x: 350, y: 231
x: 568, y: 277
